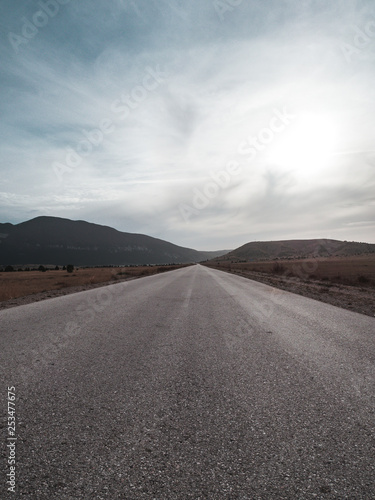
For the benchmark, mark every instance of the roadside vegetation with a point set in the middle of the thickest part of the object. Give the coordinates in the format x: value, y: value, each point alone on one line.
x: 356, y: 270
x: 16, y: 282
x: 347, y: 282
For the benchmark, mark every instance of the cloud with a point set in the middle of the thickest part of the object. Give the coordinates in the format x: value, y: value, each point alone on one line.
x: 221, y: 78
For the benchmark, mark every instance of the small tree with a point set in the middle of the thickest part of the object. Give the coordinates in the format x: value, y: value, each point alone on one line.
x: 70, y: 268
x: 9, y: 269
x: 42, y: 269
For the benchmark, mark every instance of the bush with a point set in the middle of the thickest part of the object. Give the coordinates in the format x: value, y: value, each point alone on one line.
x: 42, y: 269
x: 9, y: 269
x: 363, y: 279
x: 70, y: 268
x: 277, y: 268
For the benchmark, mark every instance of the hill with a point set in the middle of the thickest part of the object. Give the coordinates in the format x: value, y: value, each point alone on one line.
x: 295, y: 249
x: 56, y: 241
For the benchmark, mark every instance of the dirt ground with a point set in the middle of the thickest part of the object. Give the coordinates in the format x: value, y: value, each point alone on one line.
x: 355, y: 298
x: 353, y: 270
x: 19, y: 288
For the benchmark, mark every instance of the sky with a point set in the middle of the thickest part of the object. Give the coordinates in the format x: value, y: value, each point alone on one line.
x: 205, y: 123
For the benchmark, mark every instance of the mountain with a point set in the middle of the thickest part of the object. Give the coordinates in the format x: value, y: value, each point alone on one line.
x: 294, y: 249
x: 52, y: 240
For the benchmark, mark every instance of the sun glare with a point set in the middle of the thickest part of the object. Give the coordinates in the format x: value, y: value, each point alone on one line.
x: 307, y: 145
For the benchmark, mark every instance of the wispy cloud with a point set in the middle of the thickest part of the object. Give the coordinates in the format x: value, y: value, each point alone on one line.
x: 222, y: 80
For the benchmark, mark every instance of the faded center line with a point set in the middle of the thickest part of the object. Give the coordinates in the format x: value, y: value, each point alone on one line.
x: 187, y: 298
x: 190, y: 290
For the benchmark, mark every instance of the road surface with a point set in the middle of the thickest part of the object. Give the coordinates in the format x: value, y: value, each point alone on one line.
x: 193, y: 384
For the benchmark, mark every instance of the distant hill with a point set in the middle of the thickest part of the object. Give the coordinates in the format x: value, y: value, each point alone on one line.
x: 56, y: 241
x: 293, y: 249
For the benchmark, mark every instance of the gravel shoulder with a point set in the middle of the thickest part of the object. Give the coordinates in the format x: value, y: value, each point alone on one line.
x: 353, y: 298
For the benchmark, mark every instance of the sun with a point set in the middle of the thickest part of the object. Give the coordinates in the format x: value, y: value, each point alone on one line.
x: 307, y: 145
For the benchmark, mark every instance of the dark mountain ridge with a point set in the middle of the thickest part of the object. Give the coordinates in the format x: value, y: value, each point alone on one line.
x: 53, y: 240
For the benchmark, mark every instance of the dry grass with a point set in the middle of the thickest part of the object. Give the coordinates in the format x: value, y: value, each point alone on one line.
x: 347, y: 282
x: 14, y: 285
x: 357, y: 270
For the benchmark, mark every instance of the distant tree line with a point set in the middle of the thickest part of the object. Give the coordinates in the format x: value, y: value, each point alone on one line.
x: 10, y: 269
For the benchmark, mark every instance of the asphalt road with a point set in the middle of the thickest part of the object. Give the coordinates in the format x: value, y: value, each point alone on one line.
x: 194, y: 384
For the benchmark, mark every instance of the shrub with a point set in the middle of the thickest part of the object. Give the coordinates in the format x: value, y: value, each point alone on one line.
x: 277, y: 268
x: 70, y: 268
x: 363, y: 279
x: 42, y: 269
x: 9, y: 269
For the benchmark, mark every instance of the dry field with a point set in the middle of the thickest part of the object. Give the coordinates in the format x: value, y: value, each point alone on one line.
x: 340, y: 281
x: 14, y: 285
x: 357, y: 270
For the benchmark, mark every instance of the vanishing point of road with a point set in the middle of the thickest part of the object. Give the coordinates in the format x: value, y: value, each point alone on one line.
x: 193, y: 384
